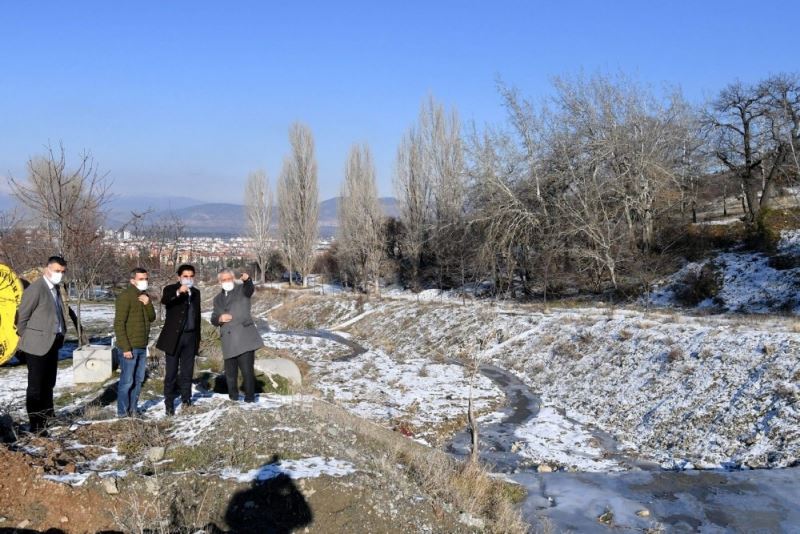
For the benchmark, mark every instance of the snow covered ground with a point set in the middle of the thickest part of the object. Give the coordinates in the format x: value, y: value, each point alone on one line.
x: 417, y: 392
x: 750, y: 282
x: 682, y: 391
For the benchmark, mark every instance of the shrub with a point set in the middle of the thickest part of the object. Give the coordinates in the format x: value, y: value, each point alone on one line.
x: 697, y: 286
x: 771, y: 222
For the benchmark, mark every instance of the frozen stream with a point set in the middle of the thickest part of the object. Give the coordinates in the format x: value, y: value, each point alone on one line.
x: 640, y: 497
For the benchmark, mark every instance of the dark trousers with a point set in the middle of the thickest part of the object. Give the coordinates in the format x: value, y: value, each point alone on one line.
x: 179, y: 371
x: 244, y: 363
x: 41, y: 381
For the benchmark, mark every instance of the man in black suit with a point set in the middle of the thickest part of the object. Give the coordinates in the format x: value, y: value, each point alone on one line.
x: 180, y: 337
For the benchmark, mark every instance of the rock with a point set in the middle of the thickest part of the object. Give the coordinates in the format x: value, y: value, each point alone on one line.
x: 24, y: 524
x: 544, y: 468
x: 64, y: 519
x: 470, y: 521
x: 7, y: 434
x: 282, y: 367
x: 643, y: 513
x: 155, y: 454
x: 606, y: 517
x: 92, y: 364
x: 152, y: 485
x: 69, y: 468
x: 110, y: 485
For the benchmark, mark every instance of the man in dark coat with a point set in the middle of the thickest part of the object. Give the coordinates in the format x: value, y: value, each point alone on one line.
x: 180, y: 337
x: 237, y: 330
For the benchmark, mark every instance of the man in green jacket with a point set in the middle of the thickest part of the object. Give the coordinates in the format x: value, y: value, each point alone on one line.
x: 133, y: 315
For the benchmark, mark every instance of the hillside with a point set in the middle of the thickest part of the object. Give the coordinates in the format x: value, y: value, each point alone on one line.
x: 228, y: 219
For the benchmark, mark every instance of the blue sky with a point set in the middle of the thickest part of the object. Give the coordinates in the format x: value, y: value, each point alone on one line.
x: 184, y: 98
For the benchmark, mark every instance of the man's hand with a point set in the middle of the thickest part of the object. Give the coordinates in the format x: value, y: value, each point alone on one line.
x: 183, y: 289
x: 128, y: 355
x: 144, y: 299
x: 225, y: 318
x: 244, y: 277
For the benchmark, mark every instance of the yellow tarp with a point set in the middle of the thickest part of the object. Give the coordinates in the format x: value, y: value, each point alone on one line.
x: 10, y: 297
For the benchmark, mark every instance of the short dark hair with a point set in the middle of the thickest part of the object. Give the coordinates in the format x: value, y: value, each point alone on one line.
x: 185, y: 267
x: 57, y: 259
x: 138, y: 270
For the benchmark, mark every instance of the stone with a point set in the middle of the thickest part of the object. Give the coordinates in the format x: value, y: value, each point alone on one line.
x: 643, y: 513
x: 7, y: 433
x: 155, y: 454
x: 110, y: 485
x: 282, y: 367
x: 152, y: 485
x: 471, y: 521
x: 544, y: 468
x: 24, y: 524
x: 92, y: 364
x: 64, y: 519
x: 606, y: 517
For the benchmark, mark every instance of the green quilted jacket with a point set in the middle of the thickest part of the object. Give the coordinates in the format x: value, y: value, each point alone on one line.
x: 132, y: 320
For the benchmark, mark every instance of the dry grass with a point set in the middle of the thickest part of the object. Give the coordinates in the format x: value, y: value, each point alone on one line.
x: 463, y: 486
x: 567, y: 349
x: 675, y: 354
x: 308, y: 311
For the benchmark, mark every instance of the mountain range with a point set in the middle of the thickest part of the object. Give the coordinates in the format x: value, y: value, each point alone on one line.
x: 208, y: 218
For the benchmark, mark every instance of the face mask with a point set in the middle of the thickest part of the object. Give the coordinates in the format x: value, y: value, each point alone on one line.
x: 55, y: 278
x: 227, y: 286
x: 141, y: 285
x: 188, y: 282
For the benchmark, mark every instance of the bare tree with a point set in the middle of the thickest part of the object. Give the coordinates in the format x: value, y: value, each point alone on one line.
x: 783, y: 115
x: 298, y: 202
x: 735, y: 118
x: 70, y: 205
x: 258, y: 211
x: 360, y: 219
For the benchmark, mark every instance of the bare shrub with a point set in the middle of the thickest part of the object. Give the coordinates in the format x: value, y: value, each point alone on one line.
x: 675, y: 354
x: 697, y: 286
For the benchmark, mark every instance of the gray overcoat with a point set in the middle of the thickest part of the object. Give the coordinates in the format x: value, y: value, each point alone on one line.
x: 239, y: 335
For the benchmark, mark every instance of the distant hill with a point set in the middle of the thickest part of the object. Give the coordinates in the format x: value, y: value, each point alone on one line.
x: 228, y: 219
x: 209, y: 218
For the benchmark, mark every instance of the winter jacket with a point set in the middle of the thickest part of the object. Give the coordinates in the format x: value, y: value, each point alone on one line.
x: 132, y: 319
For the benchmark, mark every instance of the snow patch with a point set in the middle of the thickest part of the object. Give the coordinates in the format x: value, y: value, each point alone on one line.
x: 313, y: 467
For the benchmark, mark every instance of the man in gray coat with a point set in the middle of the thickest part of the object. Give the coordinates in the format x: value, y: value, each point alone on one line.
x: 240, y: 338
x: 41, y: 326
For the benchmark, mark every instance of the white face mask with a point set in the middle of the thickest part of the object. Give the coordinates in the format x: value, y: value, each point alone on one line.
x: 227, y: 286
x: 55, y: 278
x: 141, y: 285
x: 188, y: 282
